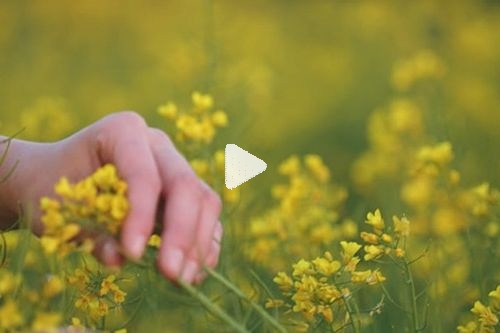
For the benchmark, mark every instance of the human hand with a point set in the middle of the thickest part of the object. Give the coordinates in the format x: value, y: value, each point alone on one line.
x: 157, y: 175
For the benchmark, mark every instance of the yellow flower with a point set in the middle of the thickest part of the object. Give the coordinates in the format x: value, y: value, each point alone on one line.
x: 326, y: 267
x: 202, y: 102
x: 8, y: 282
x: 290, y: 166
x: 99, y: 198
x: 274, y: 303
x: 54, y: 286
x: 76, y: 323
x: 440, y: 154
x: 302, y: 267
x: 360, y: 276
x: 470, y: 327
x: 326, y: 312
x: 369, y: 237
x: 401, y: 226
x: 318, y: 169
x: 375, y: 277
x: 107, y: 285
x: 373, y: 252
x: 119, y: 296
x: 349, y: 249
x: 495, y: 298
x: 168, y: 110
x: 201, y: 167
x: 219, y: 118
x: 11, y: 316
x: 486, y: 316
x: 375, y: 220
x: 46, y: 321
x: 399, y: 252
x: 219, y: 159
x: 154, y: 241
x: 386, y: 238
x: 284, y: 282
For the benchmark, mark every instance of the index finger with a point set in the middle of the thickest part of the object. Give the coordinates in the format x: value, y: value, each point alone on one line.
x: 123, y: 140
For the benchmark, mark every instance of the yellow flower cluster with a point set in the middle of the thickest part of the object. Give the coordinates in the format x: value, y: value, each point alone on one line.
x: 423, y: 65
x: 393, y: 133
x: 486, y: 315
x: 321, y: 288
x: 311, y: 288
x: 304, y: 219
x: 383, y: 240
x: 200, y: 124
x: 24, y: 307
x: 96, y: 294
x: 97, y: 202
x: 195, y: 129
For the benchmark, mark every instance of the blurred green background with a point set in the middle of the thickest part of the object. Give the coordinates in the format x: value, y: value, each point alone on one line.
x: 294, y: 76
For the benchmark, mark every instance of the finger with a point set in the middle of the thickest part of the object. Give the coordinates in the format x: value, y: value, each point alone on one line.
x: 211, y: 261
x: 210, y: 209
x: 212, y: 257
x: 106, y: 250
x: 181, y: 218
x: 190, y: 213
x: 123, y: 140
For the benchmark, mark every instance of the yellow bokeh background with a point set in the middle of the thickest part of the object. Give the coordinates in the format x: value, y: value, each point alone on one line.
x: 294, y: 76
x: 389, y: 93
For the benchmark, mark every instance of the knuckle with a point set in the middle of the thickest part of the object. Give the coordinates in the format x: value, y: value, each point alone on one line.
x: 212, y: 198
x: 127, y: 118
x: 187, y: 179
x: 158, y: 136
x: 205, y: 194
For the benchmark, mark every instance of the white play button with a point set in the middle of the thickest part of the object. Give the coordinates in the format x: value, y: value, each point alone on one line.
x: 241, y: 166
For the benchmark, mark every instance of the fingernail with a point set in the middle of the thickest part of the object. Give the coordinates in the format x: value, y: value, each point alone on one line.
x: 173, y: 261
x: 110, y: 255
x: 200, y: 277
x: 218, y: 231
x: 190, y: 271
x: 136, y: 246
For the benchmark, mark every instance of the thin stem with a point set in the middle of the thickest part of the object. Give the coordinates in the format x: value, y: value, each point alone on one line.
x: 355, y: 325
x: 265, y: 315
x: 391, y: 299
x: 213, y: 308
x: 413, y: 297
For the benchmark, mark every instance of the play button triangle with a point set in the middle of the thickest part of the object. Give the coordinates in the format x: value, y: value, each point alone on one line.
x: 241, y: 166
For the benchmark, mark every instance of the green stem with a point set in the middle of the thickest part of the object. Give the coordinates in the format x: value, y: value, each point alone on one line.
x: 413, y: 298
x: 265, y: 315
x: 355, y: 325
x: 213, y: 308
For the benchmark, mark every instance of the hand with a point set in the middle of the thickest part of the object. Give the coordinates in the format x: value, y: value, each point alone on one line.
x: 156, y: 173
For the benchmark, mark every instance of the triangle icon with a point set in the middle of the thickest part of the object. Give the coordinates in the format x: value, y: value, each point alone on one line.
x: 241, y: 166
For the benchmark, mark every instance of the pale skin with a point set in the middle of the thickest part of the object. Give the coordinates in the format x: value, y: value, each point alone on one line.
x: 155, y: 172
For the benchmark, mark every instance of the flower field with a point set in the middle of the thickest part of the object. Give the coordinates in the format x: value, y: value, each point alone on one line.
x: 380, y: 207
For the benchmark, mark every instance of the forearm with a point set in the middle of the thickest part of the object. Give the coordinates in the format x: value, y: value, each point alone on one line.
x: 35, y: 168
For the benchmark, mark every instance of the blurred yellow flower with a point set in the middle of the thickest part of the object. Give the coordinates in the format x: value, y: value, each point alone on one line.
x: 11, y: 315
x: 46, y: 321
x: 168, y: 110
x: 486, y: 316
x: 202, y: 102
x: 154, y: 241
x: 375, y: 220
x: 495, y: 299
x: 373, y: 252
